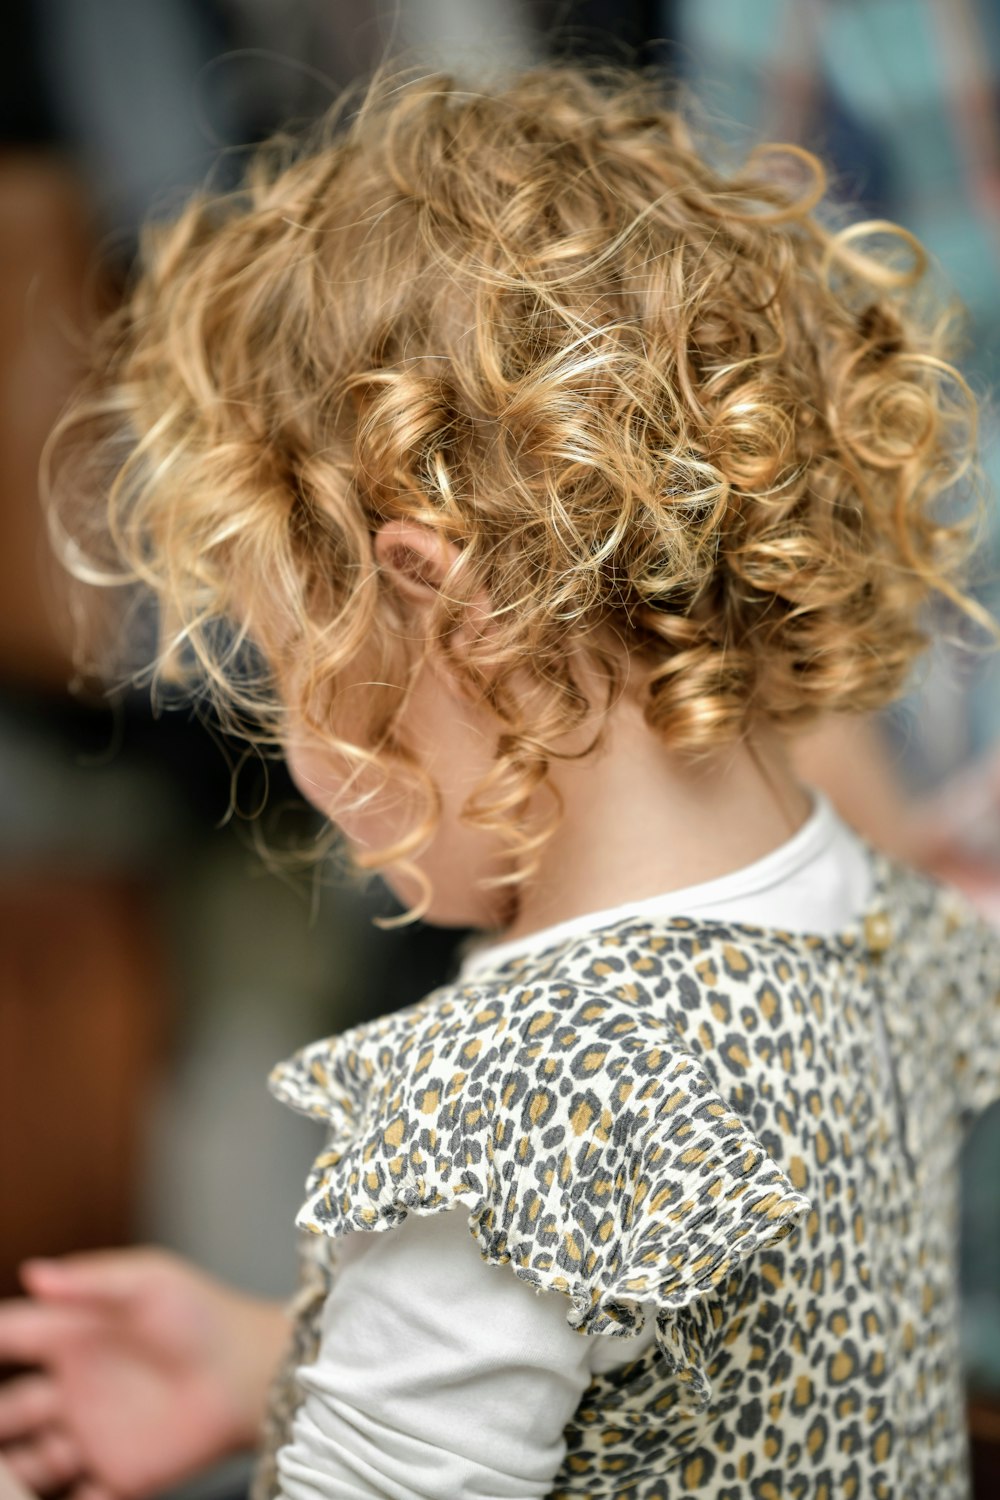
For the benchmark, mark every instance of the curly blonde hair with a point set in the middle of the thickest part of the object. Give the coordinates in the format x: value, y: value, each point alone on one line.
x: 668, y: 412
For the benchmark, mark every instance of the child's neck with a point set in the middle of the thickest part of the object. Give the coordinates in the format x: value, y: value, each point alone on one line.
x: 638, y: 821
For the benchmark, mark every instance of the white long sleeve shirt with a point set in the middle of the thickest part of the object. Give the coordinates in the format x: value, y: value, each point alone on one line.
x: 403, y: 1403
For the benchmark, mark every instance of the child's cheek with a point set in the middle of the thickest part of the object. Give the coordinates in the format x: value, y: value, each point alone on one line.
x: 311, y: 771
x: 357, y: 800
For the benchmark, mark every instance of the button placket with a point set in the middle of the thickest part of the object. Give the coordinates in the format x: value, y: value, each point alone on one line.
x: 894, y: 1035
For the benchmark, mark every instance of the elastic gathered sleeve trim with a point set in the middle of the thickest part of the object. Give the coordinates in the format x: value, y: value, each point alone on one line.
x: 593, y: 1153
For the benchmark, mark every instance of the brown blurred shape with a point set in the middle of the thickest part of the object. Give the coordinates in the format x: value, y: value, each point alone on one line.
x: 80, y: 1027
x: 47, y: 260
x: 80, y: 992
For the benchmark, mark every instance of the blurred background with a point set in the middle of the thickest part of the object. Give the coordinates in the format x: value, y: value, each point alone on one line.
x: 151, y: 970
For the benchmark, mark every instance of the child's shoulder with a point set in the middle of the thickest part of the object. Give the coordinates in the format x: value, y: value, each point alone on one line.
x: 579, y: 1010
x: 599, y: 1000
x: 589, y: 1149
x: 608, y: 1007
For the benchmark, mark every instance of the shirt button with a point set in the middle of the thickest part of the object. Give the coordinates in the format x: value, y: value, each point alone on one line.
x: 878, y: 931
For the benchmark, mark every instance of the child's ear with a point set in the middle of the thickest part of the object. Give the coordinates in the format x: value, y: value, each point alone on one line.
x: 416, y: 558
x: 417, y: 561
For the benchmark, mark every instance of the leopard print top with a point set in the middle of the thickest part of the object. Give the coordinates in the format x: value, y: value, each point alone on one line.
x: 754, y: 1131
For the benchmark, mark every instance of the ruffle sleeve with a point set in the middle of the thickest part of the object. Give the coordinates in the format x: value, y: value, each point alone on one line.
x: 592, y: 1152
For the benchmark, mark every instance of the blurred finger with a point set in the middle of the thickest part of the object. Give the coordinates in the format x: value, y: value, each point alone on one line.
x: 104, y: 1275
x: 48, y: 1462
x: 29, y: 1332
x: 27, y: 1403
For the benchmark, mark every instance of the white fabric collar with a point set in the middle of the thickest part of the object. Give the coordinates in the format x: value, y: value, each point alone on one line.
x: 821, y: 830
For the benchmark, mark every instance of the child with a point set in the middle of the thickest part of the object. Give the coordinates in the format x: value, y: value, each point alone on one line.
x: 557, y: 476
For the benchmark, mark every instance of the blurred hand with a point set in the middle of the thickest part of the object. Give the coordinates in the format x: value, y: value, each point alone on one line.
x: 149, y: 1371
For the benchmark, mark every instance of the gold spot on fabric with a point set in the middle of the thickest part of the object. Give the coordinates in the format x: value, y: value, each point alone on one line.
x: 693, y: 1473
x: 736, y: 962
x: 816, y: 1438
x: 878, y: 932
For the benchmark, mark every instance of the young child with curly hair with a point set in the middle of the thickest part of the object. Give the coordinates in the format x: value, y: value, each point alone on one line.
x: 530, y: 478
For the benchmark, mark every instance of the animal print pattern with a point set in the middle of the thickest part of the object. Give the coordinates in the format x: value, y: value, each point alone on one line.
x: 750, y: 1135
